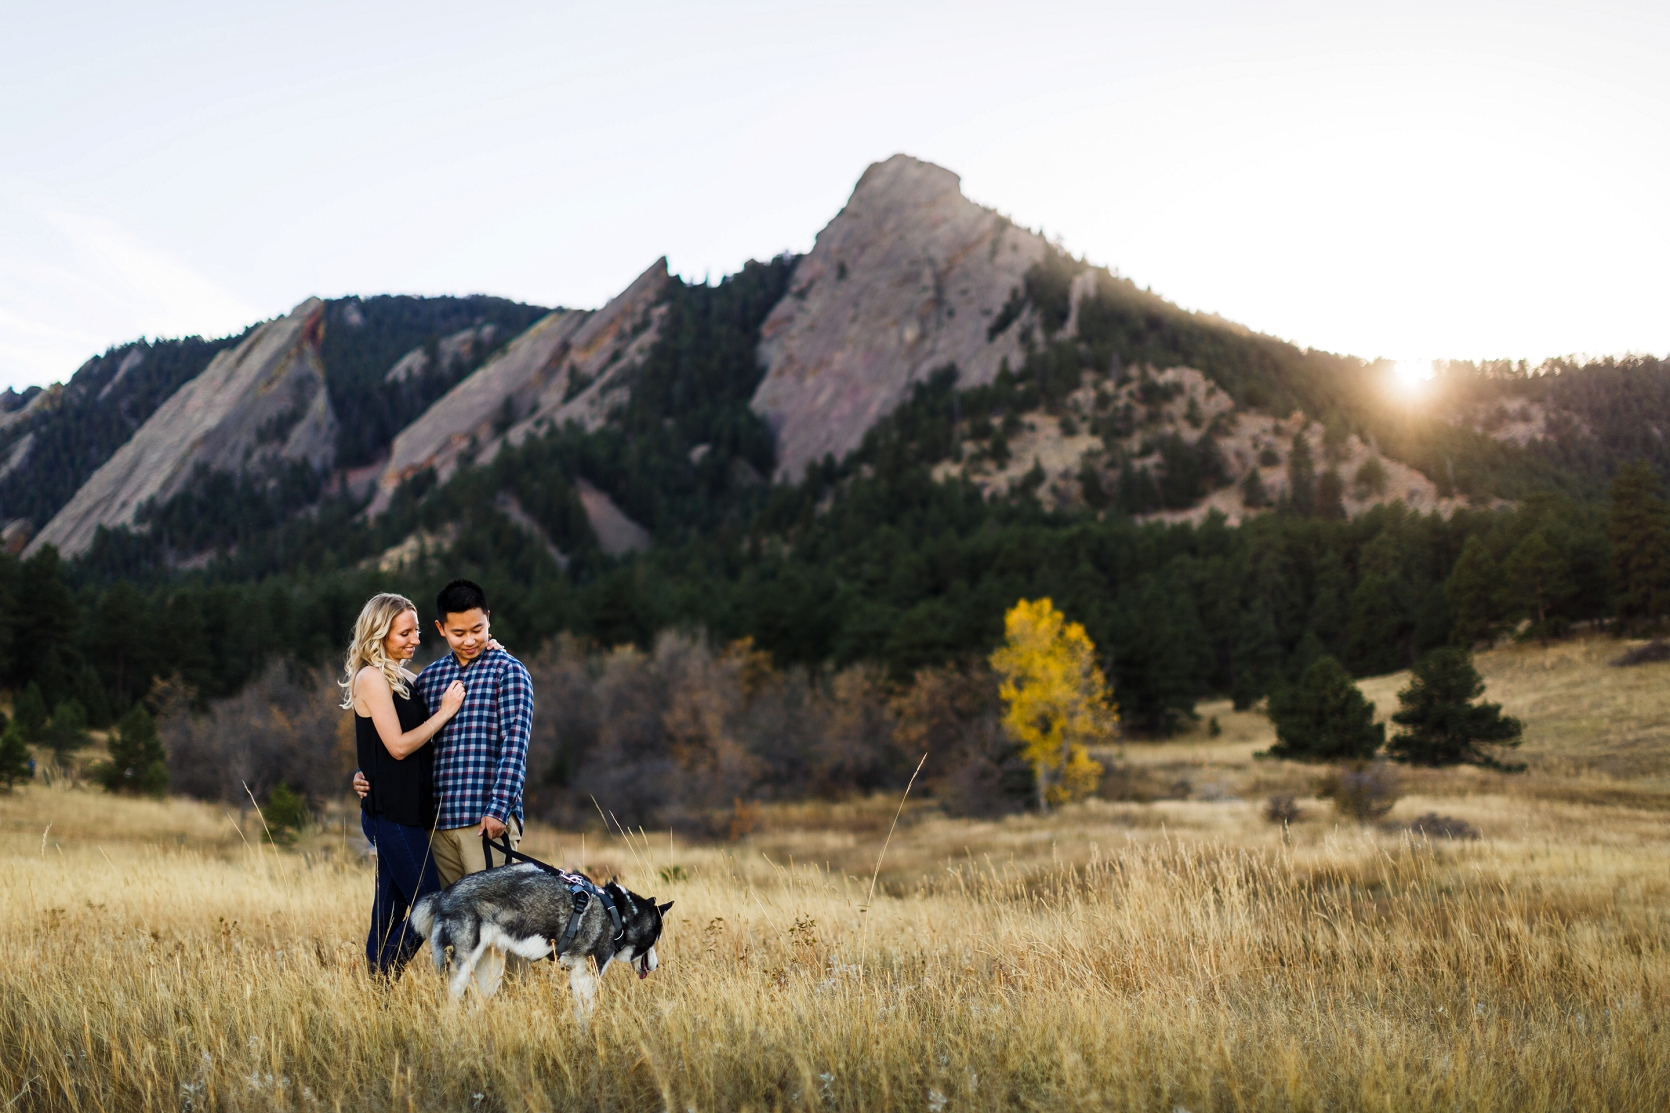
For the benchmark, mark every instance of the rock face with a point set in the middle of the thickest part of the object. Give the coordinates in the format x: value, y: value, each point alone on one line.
x: 906, y: 279
x: 256, y: 405
x: 565, y: 367
x: 459, y: 348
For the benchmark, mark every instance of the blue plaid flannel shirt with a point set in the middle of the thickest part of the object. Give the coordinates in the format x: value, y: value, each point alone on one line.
x: 481, y: 756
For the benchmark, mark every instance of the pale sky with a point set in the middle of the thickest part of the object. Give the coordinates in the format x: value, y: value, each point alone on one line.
x: 1457, y: 180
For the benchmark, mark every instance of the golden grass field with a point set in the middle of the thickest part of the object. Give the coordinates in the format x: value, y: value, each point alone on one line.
x: 1181, y: 954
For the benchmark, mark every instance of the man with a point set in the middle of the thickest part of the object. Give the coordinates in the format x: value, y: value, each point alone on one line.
x: 481, y: 756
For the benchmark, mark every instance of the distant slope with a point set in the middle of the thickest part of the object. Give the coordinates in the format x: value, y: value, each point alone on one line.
x: 51, y: 447
x: 255, y: 408
x: 543, y: 377
x: 388, y: 358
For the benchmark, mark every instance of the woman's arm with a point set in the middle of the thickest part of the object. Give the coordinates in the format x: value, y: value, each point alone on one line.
x: 371, y: 688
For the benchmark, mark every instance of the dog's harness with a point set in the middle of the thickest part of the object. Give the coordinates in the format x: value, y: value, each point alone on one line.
x: 580, y: 887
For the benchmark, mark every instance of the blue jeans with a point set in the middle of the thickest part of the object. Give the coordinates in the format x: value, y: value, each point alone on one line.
x: 405, y: 872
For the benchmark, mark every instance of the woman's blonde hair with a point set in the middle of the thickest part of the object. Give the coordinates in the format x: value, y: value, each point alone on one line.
x: 371, y: 629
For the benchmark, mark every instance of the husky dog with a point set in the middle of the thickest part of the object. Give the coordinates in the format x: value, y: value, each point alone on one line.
x: 525, y: 911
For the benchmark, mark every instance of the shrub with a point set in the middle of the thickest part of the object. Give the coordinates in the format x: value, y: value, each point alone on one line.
x: 14, y: 755
x: 1365, y: 791
x: 1654, y: 651
x: 1435, y: 826
x: 1283, y: 808
x: 285, y: 814
x: 283, y: 727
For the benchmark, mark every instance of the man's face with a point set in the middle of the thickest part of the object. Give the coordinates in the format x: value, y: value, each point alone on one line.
x: 466, y: 633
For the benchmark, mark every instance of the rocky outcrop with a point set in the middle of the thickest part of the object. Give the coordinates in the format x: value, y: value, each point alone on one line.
x: 565, y: 367
x: 257, y: 405
x: 450, y: 351
x: 906, y: 279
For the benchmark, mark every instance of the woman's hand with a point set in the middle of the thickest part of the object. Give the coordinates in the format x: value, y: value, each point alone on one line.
x: 452, y: 699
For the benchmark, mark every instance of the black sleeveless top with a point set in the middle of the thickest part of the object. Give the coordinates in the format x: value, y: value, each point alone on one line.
x: 402, y: 791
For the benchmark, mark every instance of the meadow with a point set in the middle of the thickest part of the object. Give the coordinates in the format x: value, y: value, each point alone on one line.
x: 1141, y: 953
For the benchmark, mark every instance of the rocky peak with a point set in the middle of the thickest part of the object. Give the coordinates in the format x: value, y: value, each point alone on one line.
x: 558, y: 369
x: 907, y: 278
x: 259, y: 404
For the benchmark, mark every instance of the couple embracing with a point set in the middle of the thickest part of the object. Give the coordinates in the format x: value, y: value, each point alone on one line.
x: 442, y: 755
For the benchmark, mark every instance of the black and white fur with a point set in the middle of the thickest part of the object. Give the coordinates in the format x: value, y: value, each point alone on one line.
x: 523, y: 911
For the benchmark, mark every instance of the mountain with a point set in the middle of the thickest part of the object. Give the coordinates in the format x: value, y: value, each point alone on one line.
x: 907, y: 278
x: 859, y: 456
x: 562, y: 369
x: 256, y: 408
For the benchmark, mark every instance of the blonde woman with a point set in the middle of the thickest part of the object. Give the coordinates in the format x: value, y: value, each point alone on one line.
x: 392, y: 729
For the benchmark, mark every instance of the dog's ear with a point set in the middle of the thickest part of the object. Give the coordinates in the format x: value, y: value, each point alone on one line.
x: 662, y: 908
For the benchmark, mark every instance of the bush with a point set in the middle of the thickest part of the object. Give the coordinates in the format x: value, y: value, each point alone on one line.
x: 1283, y: 808
x: 284, y: 815
x: 284, y: 727
x: 14, y: 755
x: 1324, y: 717
x: 1435, y: 826
x: 1365, y: 791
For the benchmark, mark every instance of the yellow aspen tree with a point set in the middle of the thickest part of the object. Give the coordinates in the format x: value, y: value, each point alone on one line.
x: 1055, y: 699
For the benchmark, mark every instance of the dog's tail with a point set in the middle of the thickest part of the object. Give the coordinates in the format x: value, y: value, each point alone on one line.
x: 422, y: 917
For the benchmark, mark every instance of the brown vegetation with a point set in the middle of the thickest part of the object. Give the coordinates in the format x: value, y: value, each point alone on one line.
x: 1181, y: 952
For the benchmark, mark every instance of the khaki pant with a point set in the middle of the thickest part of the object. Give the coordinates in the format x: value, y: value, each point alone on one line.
x: 458, y: 851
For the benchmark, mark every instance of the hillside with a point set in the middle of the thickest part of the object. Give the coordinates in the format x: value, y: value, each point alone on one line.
x: 862, y: 455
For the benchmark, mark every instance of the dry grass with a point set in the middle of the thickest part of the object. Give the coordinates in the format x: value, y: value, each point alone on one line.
x: 1180, y: 953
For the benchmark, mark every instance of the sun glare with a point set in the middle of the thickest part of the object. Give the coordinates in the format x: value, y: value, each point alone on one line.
x: 1410, y: 375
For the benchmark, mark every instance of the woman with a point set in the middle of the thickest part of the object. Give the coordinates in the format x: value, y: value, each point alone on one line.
x: 392, y: 729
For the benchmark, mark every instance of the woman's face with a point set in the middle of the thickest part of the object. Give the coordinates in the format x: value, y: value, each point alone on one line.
x: 403, y: 637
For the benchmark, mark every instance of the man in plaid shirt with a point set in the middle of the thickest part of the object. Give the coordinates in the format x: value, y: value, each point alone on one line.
x: 481, y: 756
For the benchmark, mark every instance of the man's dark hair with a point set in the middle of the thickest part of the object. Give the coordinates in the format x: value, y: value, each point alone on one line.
x: 460, y: 596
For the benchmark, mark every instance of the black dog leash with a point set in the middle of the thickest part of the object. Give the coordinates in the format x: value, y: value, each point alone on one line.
x: 580, y: 887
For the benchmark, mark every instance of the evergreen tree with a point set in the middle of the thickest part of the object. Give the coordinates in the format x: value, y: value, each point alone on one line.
x: 1382, y: 623
x: 47, y: 617
x: 120, y: 644
x: 1256, y: 660
x: 1329, y: 617
x: 29, y: 713
x: 1537, y: 581
x: 1330, y: 496
x: 1474, y: 593
x: 66, y: 731
x: 14, y: 755
x: 1441, y: 723
x: 1640, y: 532
x: 1370, y: 478
x: 1324, y: 717
x: 137, y: 762
x: 1301, y: 477
x: 1253, y: 495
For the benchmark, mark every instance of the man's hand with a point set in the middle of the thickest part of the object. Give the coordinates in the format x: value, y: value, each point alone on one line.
x: 361, y: 785
x: 491, y: 827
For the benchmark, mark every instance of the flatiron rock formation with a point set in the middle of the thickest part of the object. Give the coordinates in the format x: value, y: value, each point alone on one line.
x: 543, y: 378
x: 261, y: 403
x: 906, y: 279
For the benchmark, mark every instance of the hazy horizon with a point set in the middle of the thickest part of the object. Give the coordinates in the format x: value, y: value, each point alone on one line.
x: 1464, y: 181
